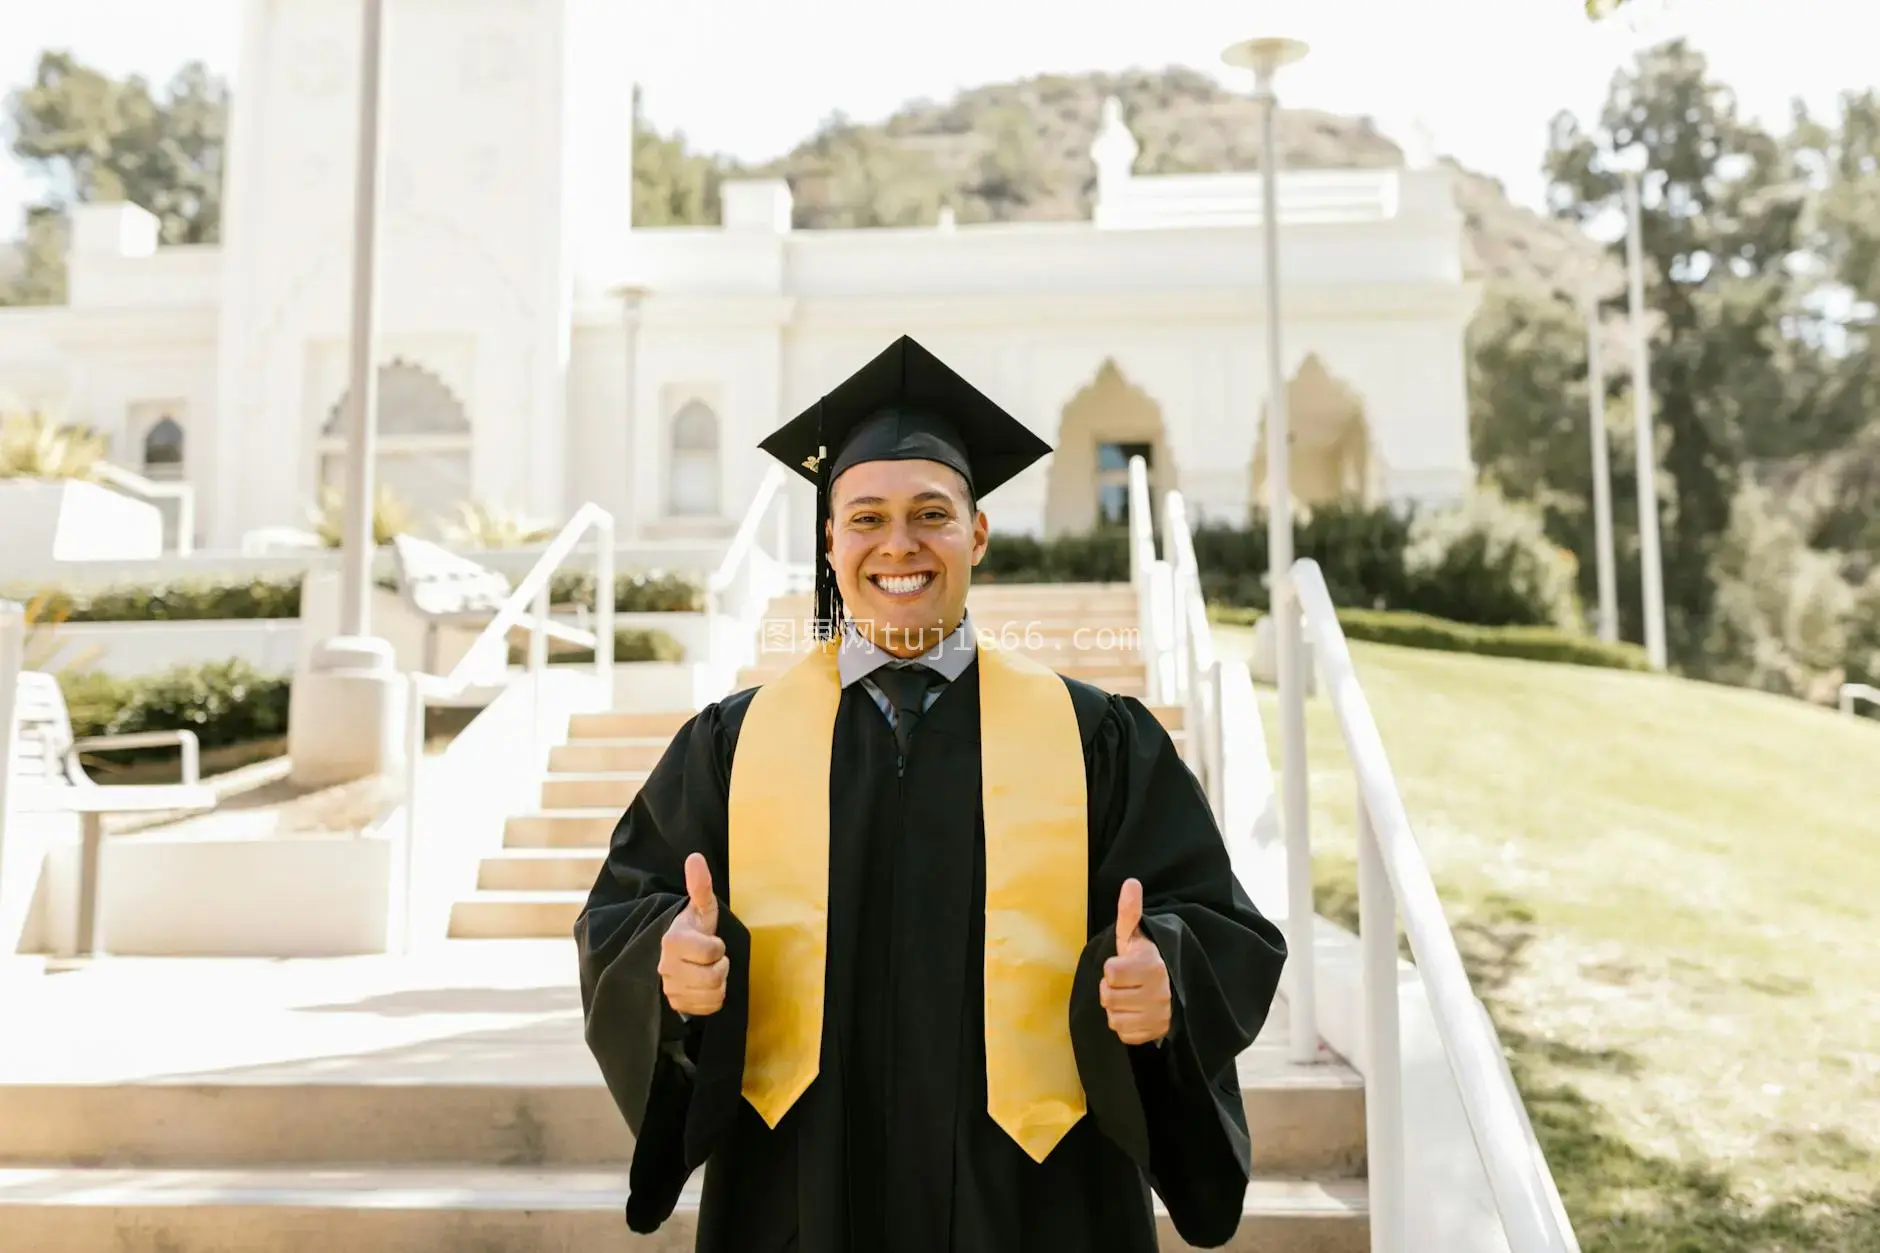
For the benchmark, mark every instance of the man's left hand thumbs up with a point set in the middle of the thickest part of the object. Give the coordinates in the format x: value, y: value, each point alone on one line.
x: 1135, y: 987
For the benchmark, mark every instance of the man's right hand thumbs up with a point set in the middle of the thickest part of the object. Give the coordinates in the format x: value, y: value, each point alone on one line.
x: 692, y: 961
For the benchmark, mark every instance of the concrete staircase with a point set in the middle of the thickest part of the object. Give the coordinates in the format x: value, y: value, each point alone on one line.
x: 535, y: 885
x: 447, y: 1103
x: 429, y: 1105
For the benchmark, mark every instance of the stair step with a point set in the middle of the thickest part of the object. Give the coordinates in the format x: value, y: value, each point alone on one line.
x: 516, y: 915
x: 590, y: 827
x: 601, y: 756
x: 535, y: 1099
x: 592, y: 791
x: 625, y: 726
x: 472, y: 1053
x: 541, y: 870
x: 374, y: 1209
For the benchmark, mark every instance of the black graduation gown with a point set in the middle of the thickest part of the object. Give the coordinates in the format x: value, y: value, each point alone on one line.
x: 891, y: 1149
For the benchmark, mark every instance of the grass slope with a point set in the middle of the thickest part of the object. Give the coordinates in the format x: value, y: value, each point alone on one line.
x: 1669, y: 895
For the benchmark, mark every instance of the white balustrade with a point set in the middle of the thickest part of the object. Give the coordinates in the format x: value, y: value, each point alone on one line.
x: 487, y: 662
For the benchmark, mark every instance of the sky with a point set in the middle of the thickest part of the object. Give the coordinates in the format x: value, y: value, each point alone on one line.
x: 749, y: 78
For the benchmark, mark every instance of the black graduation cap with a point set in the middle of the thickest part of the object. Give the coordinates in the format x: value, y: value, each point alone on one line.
x: 905, y: 405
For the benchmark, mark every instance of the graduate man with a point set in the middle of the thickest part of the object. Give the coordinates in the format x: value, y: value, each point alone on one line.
x: 922, y: 947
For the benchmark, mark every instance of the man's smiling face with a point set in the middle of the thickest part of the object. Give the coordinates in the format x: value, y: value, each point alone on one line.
x: 903, y: 540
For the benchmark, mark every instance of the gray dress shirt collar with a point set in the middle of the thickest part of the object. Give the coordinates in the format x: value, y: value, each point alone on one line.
x: 858, y: 657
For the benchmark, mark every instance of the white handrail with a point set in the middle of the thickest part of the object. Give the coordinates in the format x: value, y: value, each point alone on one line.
x: 1393, y: 879
x: 12, y: 659
x: 1200, y: 682
x: 184, y: 494
x: 1198, y: 669
x: 527, y: 604
x: 1150, y: 579
x: 745, y: 541
x: 739, y: 570
x: 1853, y: 692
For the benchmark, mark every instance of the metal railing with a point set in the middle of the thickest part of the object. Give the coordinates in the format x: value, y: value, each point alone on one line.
x: 1394, y: 882
x: 1853, y: 693
x: 1152, y: 580
x: 739, y: 590
x: 12, y: 659
x: 1198, y: 670
x: 184, y: 494
x: 487, y: 661
x: 1200, y: 684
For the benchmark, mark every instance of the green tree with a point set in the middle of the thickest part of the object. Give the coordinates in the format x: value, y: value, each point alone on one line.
x: 94, y: 138
x: 1722, y: 221
x: 1530, y: 436
x: 672, y: 185
x: 39, y: 278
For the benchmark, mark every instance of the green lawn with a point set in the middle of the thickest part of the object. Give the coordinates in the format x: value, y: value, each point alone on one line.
x: 1669, y: 895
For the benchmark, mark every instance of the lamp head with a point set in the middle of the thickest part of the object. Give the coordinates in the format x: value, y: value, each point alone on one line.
x: 1265, y: 55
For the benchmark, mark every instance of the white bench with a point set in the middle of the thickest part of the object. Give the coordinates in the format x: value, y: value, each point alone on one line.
x: 448, y: 590
x: 46, y: 775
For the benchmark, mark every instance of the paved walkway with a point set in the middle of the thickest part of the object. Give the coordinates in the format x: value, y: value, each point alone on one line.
x: 469, y: 1012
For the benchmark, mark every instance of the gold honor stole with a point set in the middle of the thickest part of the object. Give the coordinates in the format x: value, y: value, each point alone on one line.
x: 1037, y: 853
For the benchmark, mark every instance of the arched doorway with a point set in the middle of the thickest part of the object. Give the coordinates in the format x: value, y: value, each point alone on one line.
x: 692, y: 478
x: 1332, y: 458
x: 1106, y: 424
x: 423, y: 442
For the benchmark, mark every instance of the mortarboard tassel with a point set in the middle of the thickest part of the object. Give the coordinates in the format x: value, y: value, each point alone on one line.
x: 828, y: 603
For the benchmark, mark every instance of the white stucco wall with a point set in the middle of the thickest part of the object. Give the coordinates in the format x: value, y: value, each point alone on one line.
x: 507, y: 238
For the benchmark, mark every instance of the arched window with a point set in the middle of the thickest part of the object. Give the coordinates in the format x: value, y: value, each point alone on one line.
x: 423, y: 441
x: 692, y: 470
x: 163, y: 449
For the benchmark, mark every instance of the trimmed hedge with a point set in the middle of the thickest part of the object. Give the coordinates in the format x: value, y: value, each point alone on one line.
x: 630, y: 644
x: 656, y: 592
x: 1098, y: 557
x: 1485, y: 561
x: 203, y: 600
x: 1416, y: 630
x: 225, y: 702
x: 187, y: 600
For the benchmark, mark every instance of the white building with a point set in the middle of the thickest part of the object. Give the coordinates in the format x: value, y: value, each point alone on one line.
x: 538, y: 352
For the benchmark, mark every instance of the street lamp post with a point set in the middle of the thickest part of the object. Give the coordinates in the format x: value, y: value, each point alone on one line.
x: 1602, y: 473
x: 1650, y: 554
x: 346, y: 714
x: 1265, y: 57
x: 361, y: 444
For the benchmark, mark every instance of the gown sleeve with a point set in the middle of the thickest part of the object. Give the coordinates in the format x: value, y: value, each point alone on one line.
x: 675, y: 1080
x: 1173, y: 1106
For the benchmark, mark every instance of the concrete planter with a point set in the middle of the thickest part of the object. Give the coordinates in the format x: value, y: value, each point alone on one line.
x: 57, y: 520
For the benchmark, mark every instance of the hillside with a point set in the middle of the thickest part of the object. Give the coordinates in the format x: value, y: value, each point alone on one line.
x: 1020, y: 151
x: 1663, y: 890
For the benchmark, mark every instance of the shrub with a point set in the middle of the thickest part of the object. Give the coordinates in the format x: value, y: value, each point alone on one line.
x: 32, y: 446
x: 1489, y: 562
x: 1416, y: 630
x: 1360, y: 550
x: 479, y: 524
x: 226, y: 702
x: 199, y: 600
x: 1098, y: 557
x: 194, y: 600
x: 391, y: 517
x: 630, y: 644
x: 648, y: 592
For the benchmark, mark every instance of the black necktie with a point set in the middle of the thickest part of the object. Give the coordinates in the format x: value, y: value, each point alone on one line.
x: 906, y: 688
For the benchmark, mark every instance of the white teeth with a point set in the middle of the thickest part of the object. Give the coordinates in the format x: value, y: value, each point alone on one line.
x: 902, y: 584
